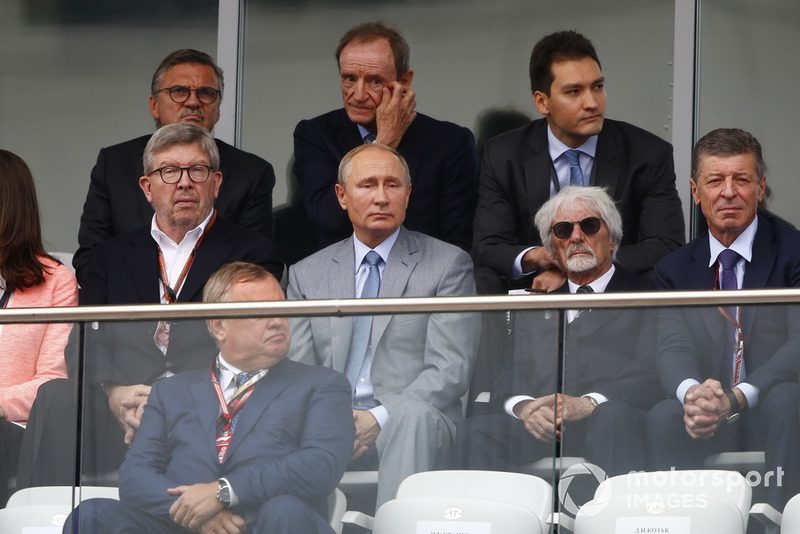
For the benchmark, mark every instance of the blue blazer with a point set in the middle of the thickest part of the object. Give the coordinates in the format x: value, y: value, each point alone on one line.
x: 294, y: 437
x: 691, y: 341
x: 444, y: 173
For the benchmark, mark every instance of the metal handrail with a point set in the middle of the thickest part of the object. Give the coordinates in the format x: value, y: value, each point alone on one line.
x: 342, y: 307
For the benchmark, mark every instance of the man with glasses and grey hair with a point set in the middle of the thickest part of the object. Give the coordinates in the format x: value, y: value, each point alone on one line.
x: 165, y: 262
x: 594, y: 404
x: 187, y: 87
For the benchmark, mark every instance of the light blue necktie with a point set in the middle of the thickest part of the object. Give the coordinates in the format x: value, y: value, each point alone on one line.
x: 575, y: 172
x: 362, y: 324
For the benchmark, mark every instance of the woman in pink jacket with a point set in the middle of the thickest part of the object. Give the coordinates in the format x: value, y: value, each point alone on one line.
x: 30, y: 354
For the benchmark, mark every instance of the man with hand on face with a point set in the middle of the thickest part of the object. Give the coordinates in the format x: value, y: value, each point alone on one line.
x: 379, y: 103
x: 283, y: 435
x: 573, y: 145
x: 597, y: 408
x: 408, y: 372
x: 731, y: 372
x: 187, y: 87
x: 167, y: 261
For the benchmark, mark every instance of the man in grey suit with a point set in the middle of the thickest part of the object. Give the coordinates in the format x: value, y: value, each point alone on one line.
x: 408, y: 372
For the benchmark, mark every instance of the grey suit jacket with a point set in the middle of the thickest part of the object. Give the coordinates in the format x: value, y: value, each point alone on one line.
x: 427, y: 357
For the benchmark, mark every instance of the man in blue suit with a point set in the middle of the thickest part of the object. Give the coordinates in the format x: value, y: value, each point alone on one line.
x: 379, y: 103
x: 284, y: 433
x: 730, y: 372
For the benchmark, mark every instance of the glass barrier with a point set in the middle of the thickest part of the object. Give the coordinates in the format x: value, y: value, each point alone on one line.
x: 578, y: 391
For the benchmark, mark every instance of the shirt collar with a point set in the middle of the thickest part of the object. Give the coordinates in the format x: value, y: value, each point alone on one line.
x: 363, y: 132
x: 599, y: 285
x: 556, y: 148
x: 743, y: 245
x: 383, y: 249
x: 192, y: 235
x: 227, y: 372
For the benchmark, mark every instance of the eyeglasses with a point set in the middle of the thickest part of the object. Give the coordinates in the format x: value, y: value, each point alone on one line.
x: 172, y: 174
x: 180, y: 94
x: 589, y: 226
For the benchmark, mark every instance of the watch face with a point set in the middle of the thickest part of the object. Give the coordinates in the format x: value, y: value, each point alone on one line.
x: 224, y: 493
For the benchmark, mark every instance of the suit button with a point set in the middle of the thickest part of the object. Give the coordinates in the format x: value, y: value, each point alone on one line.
x: 168, y: 365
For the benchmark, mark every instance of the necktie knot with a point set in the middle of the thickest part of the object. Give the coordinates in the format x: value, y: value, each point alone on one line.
x: 372, y: 258
x: 369, y: 138
x: 584, y: 289
x: 728, y: 258
x: 575, y: 171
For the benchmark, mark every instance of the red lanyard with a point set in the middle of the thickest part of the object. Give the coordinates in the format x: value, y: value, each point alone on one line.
x: 737, y: 325
x: 229, y: 411
x: 172, y: 294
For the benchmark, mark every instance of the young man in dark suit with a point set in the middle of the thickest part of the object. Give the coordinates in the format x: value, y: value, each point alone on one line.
x: 574, y: 144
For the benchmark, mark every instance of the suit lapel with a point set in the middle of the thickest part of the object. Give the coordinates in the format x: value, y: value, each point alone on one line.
x: 538, y: 169
x: 701, y: 277
x: 607, y: 172
x: 341, y: 285
x: 205, y: 403
x: 348, y: 136
x: 756, y: 273
x: 266, y: 390
x: 141, y: 258
x: 211, y: 254
x: 401, y: 263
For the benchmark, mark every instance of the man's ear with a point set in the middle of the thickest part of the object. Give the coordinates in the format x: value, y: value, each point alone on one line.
x: 144, y: 183
x: 217, y: 327
x: 339, y: 188
x: 406, y: 78
x: 542, y: 103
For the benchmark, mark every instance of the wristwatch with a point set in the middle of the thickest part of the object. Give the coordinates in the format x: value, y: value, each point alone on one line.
x: 224, y: 492
x: 734, y: 414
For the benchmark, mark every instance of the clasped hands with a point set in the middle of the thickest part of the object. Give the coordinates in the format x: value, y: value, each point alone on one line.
x: 199, y: 510
x: 706, y: 407
x: 541, y: 416
x: 127, y: 404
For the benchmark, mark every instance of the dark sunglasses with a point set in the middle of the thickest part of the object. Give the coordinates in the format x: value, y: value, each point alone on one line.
x: 589, y: 226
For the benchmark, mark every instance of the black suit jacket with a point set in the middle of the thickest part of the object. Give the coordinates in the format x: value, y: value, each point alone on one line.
x: 444, y: 173
x: 116, y: 205
x: 124, y: 270
x: 691, y: 341
x: 634, y: 165
x: 607, y: 351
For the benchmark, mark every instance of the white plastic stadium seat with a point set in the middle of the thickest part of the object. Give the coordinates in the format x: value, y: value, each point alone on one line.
x: 464, y: 501
x: 689, y: 502
x: 44, y: 509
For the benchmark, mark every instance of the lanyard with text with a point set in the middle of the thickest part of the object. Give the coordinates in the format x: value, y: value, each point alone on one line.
x: 171, y: 294
x: 737, y: 325
x: 225, y: 422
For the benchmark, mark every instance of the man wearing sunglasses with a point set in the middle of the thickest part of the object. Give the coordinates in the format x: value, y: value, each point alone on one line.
x: 731, y: 372
x: 186, y: 87
x: 574, y: 144
x: 597, y: 408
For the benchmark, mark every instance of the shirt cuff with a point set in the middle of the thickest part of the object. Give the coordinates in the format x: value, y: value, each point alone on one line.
x: 508, y: 406
x: 683, y: 387
x: 750, y: 393
x: 599, y: 397
x: 234, y: 498
x: 516, y: 269
x: 381, y: 414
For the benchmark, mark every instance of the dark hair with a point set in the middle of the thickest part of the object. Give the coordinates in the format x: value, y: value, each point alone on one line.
x: 21, y: 246
x: 372, y: 31
x: 179, y: 133
x: 727, y: 142
x: 558, y: 46
x: 181, y: 57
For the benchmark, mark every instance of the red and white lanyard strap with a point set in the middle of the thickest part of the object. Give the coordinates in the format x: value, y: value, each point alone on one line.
x: 170, y: 293
x: 229, y: 411
x: 737, y: 325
